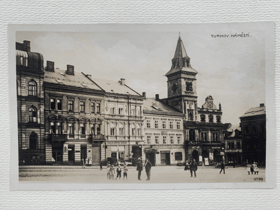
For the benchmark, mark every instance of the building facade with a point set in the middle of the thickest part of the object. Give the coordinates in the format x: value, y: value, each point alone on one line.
x: 30, y: 104
x: 253, y: 126
x: 204, y: 138
x: 164, y: 133
x: 123, y: 115
x: 233, y: 145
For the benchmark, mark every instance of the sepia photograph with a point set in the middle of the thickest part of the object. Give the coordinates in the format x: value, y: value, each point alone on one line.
x: 143, y: 104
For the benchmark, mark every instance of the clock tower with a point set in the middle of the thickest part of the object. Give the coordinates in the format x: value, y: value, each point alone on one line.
x: 181, y: 83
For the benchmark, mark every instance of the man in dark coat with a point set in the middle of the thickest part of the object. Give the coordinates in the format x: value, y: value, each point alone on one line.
x: 139, y: 168
x: 222, y: 167
x: 148, y: 166
x: 193, y: 168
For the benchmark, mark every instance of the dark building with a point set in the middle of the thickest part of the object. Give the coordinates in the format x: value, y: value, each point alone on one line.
x: 204, y: 138
x: 253, y: 125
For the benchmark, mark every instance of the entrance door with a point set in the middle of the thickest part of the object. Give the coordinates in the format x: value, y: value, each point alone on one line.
x: 83, y: 152
x: 96, y: 154
x: 205, y: 157
x: 195, y: 155
x: 163, y: 158
x: 71, y: 158
x: 167, y: 158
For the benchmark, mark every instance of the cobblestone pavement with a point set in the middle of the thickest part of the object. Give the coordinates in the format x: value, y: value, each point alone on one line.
x: 159, y: 174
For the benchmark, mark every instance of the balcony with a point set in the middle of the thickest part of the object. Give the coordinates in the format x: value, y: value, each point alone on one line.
x: 58, y: 137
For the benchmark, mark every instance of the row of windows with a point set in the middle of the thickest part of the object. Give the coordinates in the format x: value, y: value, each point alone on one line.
x: 230, y: 145
x: 156, y: 125
x: 210, y: 118
x: 56, y: 128
x: 204, y: 136
x: 172, y: 140
x: 120, y: 111
x: 134, y: 132
x: 56, y: 104
x: 255, y: 129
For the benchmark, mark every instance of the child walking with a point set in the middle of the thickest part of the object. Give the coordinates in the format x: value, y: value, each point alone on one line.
x: 248, y: 169
x: 119, y: 172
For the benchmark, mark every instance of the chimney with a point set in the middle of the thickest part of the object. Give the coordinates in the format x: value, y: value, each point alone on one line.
x: 89, y: 76
x: 70, y: 70
x: 144, y: 94
x: 122, y: 81
x: 26, y: 45
x: 50, y: 66
x: 262, y: 105
x: 157, y: 97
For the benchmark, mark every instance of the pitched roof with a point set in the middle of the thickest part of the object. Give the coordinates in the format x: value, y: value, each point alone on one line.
x: 111, y: 86
x: 180, y: 57
x: 78, y: 80
x: 152, y: 106
x: 255, y: 111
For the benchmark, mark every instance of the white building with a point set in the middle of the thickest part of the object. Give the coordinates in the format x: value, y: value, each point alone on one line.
x: 164, y: 133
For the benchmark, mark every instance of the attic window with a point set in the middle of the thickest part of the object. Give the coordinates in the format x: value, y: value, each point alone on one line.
x: 63, y: 74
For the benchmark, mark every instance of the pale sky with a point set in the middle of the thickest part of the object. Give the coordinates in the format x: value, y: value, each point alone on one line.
x: 231, y: 69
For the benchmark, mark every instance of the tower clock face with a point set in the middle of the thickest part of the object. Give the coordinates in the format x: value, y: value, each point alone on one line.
x: 174, y: 87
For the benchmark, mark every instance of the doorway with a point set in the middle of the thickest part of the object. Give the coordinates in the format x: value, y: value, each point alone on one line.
x: 195, y: 155
x: 205, y: 157
x: 165, y: 158
x: 71, y: 158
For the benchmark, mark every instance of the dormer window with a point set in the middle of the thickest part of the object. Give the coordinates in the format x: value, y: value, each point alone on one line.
x: 218, y: 119
x: 210, y: 118
x: 202, y: 118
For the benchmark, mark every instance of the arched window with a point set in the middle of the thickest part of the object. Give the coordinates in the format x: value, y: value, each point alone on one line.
x: 33, y: 140
x: 32, y: 114
x: 32, y: 88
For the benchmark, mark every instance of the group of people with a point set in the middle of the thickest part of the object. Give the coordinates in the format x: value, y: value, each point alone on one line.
x: 147, y: 165
x: 253, y: 168
x: 111, y: 171
x: 139, y: 167
x: 192, y: 166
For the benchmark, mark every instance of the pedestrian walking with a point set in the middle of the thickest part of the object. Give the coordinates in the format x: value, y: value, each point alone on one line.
x: 125, y: 170
x: 108, y: 171
x: 100, y: 165
x: 222, y: 167
x: 252, y: 169
x: 112, y: 172
x: 119, y: 172
x: 193, y: 168
x: 139, y: 168
x: 148, y: 166
x: 248, y: 168
x: 83, y: 162
x: 255, y: 168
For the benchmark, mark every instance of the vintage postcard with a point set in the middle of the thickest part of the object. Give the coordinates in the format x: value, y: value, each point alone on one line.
x: 142, y: 106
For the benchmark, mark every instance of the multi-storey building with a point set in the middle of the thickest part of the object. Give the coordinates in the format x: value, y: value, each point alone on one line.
x: 30, y: 104
x: 233, y: 144
x: 253, y: 126
x: 73, y: 117
x: 164, y: 133
x: 203, y: 126
x: 123, y: 115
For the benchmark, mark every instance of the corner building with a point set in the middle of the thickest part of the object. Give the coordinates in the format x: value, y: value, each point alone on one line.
x: 204, y: 138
